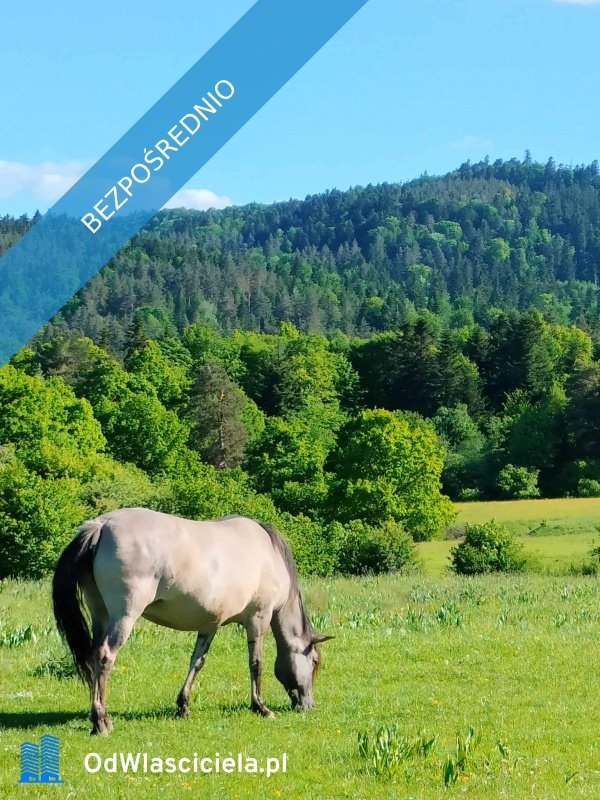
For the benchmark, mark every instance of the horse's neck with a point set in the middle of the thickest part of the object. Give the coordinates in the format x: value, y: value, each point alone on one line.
x: 287, y: 623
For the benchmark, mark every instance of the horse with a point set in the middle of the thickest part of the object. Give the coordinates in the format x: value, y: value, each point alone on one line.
x: 187, y: 575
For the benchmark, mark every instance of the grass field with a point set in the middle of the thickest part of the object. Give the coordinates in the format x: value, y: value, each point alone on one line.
x: 553, y: 554
x: 515, y: 658
x: 545, y: 517
x: 555, y: 533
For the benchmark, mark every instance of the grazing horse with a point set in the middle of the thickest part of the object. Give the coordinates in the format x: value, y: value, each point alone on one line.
x: 191, y: 576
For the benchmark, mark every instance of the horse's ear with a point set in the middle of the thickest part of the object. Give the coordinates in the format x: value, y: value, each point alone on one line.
x: 318, y: 638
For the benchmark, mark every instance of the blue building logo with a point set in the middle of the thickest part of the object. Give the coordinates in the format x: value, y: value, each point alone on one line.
x: 39, y: 762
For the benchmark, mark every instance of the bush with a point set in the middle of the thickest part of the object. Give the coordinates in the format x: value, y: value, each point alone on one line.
x: 575, y: 477
x: 38, y: 517
x: 469, y: 495
x: 314, y: 547
x: 591, y: 566
x: 518, y: 483
x: 374, y: 550
x: 488, y: 547
x: 587, y: 487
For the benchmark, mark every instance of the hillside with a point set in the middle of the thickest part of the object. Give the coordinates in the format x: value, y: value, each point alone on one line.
x: 460, y: 362
x: 502, y: 235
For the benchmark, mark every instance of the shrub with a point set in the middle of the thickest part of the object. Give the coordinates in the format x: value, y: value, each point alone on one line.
x: 374, y: 550
x: 488, y: 547
x: 575, y: 476
x: 518, y: 483
x: 587, y: 487
x: 38, y: 517
x: 109, y: 485
x: 468, y: 495
x: 315, y: 547
x: 591, y: 566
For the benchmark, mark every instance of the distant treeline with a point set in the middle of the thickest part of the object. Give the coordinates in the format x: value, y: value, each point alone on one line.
x: 495, y: 236
x: 511, y: 410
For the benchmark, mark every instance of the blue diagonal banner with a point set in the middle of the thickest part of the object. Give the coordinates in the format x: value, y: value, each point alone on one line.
x: 157, y: 156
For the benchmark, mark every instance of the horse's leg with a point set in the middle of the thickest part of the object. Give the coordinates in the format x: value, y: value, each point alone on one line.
x: 100, y: 622
x: 255, y: 630
x: 203, y: 642
x: 103, y: 660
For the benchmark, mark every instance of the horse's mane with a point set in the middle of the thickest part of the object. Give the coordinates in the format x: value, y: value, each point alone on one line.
x: 284, y: 551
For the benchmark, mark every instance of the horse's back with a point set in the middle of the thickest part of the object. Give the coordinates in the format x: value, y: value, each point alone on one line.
x: 187, y: 574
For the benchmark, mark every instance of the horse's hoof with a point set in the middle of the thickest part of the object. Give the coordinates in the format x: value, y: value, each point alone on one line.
x: 102, y: 726
x: 183, y: 712
x: 263, y: 711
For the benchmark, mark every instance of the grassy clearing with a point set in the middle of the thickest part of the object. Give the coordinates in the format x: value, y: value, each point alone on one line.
x: 513, y: 658
x: 546, y: 517
x: 550, y: 521
x: 553, y: 554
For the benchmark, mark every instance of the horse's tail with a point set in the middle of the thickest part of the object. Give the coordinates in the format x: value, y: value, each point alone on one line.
x: 73, y: 566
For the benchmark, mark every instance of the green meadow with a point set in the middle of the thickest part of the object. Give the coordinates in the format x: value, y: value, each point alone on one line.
x: 555, y: 533
x: 537, y: 517
x: 513, y: 658
x: 554, y: 554
x: 430, y: 657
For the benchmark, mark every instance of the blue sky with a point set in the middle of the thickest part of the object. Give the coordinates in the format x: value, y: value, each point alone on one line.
x: 407, y: 86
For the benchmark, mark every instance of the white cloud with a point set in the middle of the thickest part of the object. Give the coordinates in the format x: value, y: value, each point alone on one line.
x: 200, y: 199
x: 46, y: 181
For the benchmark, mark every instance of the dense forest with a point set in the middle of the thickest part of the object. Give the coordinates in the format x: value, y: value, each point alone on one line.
x: 340, y: 365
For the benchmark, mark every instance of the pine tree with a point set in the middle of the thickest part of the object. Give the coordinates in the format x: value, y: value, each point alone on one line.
x: 215, y: 411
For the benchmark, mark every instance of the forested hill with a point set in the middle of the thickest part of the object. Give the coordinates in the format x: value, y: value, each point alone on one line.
x: 503, y: 235
x: 462, y: 363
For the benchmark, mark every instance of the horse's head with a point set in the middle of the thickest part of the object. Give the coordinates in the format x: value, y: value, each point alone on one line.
x: 295, y: 669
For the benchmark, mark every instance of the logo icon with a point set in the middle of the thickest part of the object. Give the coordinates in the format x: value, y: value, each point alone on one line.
x: 39, y: 762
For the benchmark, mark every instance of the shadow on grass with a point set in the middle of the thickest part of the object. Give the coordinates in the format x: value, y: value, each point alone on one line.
x: 236, y: 709
x: 196, y: 711
x: 170, y: 711
x: 35, y: 719
x: 157, y: 712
